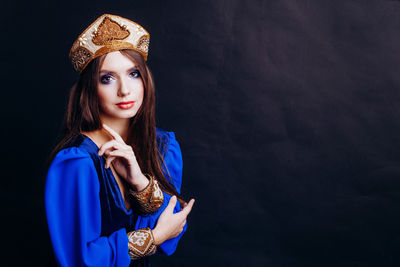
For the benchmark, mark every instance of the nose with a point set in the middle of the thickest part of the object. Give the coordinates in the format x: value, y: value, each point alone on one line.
x: 123, y: 89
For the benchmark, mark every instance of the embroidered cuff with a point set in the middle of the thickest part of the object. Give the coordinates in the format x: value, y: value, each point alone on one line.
x: 141, y: 243
x: 150, y: 199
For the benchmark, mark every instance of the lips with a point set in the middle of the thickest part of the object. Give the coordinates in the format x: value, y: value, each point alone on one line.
x: 126, y: 105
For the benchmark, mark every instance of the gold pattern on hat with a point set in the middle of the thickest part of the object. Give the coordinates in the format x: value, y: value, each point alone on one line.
x: 109, y: 30
x: 143, y: 44
x: 80, y: 57
x: 106, y: 34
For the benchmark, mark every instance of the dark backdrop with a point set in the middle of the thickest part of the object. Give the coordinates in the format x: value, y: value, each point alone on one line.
x: 287, y: 113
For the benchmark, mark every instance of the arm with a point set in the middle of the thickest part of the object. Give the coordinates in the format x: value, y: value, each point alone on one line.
x: 150, y: 199
x: 74, y: 214
x: 123, y: 159
x: 143, y: 242
x: 173, y: 168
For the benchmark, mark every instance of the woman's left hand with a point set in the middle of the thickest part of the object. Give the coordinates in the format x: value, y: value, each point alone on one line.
x: 123, y: 159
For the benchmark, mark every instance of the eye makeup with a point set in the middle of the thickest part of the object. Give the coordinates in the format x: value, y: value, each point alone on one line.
x: 108, y: 76
x: 106, y: 79
x: 134, y: 73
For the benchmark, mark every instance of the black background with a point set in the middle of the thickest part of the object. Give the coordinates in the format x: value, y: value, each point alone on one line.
x: 287, y: 113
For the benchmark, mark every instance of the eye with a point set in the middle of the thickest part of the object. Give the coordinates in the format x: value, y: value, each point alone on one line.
x: 106, y: 79
x: 134, y: 74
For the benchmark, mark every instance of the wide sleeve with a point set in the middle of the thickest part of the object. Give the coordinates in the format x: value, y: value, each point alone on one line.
x: 74, y: 214
x: 173, y: 162
x: 173, y: 167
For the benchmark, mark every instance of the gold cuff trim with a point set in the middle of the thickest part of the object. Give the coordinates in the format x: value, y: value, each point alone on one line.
x: 150, y: 199
x: 141, y: 243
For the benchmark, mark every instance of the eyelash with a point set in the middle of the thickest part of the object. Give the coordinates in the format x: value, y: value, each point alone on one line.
x: 134, y: 73
x: 104, y: 77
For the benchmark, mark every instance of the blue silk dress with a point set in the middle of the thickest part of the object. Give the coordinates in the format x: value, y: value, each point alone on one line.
x: 86, y: 214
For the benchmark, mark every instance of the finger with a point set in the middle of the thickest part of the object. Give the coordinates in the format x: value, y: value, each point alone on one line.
x: 171, y: 204
x: 106, y: 153
x: 105, y: 146
x: 186, y: 210
x: 108, y: 162
x: 113, y: 133
x: 119, y: 154
x: 111, y: 144
x: 177, y: 233
x: 180, y: 230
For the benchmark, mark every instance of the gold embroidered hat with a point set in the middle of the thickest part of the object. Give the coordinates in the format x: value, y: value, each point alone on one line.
x: 107, y: 34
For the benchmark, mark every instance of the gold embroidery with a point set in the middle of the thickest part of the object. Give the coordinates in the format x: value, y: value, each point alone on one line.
x: 143, y: 44
x: 150, y: 199
x: 113, y: 46
x: 80, y: 57
x: 141, y: 243
x: 109, y: 30
x: 107, y: 34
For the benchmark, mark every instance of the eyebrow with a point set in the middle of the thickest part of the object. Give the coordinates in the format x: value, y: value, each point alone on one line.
x: 113, y: 72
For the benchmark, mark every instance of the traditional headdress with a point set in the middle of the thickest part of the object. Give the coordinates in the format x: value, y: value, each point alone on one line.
x: 107, y: 34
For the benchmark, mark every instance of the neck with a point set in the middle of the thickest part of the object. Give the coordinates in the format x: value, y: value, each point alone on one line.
x: 121, y: 126
x: 99, y: 137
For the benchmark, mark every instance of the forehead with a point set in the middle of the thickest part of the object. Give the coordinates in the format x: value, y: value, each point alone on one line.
x: 116, y: 61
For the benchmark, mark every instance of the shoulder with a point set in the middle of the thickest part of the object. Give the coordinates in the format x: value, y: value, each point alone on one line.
x: 75, y: 162
x: 72, y: 184
x: 71, y: 154
x: 70, y: 160
x: 172, y: 157
x: 166, y: 140
x: 78, y: 148
x: 73, y: 175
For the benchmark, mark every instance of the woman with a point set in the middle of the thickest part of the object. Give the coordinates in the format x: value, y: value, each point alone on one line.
x: 109, y: 186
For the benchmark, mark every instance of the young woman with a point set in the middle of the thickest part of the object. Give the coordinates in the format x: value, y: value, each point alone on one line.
x: 112, y: 189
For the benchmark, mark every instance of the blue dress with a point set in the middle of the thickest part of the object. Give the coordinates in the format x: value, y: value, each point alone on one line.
x: 86, y: 214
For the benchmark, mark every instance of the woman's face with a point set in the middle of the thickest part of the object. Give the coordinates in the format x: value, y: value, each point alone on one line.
x: 120, y: 87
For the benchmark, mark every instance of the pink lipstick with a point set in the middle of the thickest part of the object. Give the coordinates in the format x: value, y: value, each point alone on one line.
x: 126, y: 105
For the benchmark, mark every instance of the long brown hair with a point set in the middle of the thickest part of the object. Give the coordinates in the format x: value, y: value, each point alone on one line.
x: 83, y: 115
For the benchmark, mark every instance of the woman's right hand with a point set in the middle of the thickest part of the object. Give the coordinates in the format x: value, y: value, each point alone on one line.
x: 170, y: 224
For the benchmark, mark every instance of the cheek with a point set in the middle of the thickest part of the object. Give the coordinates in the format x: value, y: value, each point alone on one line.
x: 140, y: 92
x: 104, y: 97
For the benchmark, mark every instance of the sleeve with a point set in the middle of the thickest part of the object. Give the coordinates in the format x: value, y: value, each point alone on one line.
x: 173, y: 162
x: 74, y: 214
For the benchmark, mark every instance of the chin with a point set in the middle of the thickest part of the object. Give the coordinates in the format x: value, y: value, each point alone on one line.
x: 121, y: 115
x: 126, y: 116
